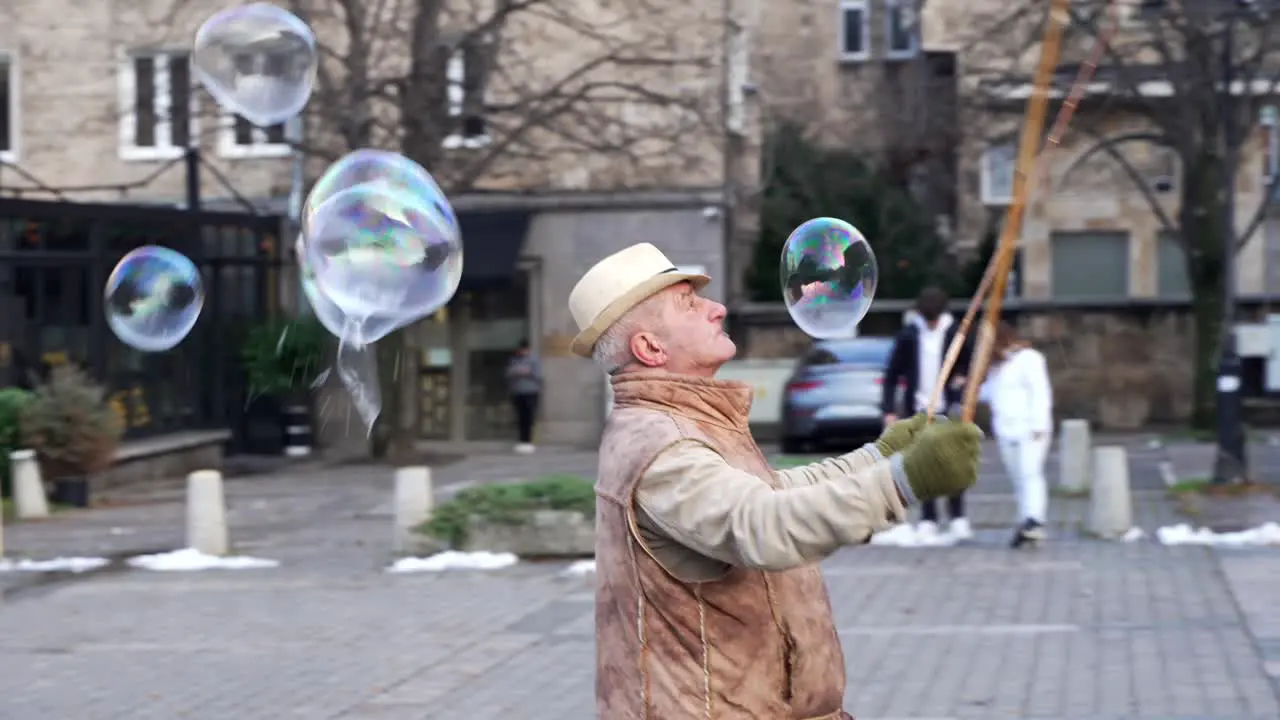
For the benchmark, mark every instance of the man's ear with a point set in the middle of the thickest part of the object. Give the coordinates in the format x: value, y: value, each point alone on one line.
x: 647, y: 349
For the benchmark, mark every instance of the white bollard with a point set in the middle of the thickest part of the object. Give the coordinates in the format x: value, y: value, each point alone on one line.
x: 1110, y: 504
x: 28, y: 486
x: 206, y: 513
x: 412, y: 505
x: 1074, y: 456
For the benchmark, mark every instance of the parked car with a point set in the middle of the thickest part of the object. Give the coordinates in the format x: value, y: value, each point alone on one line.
x: 834, y: 395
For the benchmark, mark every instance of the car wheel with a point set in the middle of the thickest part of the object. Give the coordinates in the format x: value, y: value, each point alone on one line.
x: 792, y: 446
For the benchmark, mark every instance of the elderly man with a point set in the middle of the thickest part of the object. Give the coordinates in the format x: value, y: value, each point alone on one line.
x: 710, y: 603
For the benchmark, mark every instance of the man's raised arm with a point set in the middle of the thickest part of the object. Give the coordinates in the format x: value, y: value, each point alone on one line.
x: 693, y: 496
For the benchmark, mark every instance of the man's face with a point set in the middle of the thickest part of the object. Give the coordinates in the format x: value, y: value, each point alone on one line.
x: 688, y: 335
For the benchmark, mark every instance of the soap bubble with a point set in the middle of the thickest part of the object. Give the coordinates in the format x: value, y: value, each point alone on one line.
x: 374, y: 327
x: 153, y: 298
x: 828, y: 278
x: 382, y: 238
x: 257, y: 61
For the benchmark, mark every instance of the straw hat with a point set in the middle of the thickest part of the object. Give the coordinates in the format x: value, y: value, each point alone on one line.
x: 615, y: 285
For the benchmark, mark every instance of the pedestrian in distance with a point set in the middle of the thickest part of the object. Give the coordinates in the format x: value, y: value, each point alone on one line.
x: 709, y: 601
x: 524, y: 383
x: 915, y: 363
x: 1018, y: 391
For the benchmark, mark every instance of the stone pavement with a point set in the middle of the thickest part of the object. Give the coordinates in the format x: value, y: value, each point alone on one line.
x: 1078, y: 630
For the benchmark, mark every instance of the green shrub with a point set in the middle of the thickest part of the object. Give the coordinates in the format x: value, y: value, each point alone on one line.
x: 12, y: 400
x: 510, y: 503
x: 70, y: 425
x: 284, y: 355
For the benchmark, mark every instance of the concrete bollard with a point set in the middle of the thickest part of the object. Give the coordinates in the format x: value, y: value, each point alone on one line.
x: 28, y: 486
x: 206, y: 513
x: 412, y: 506
x: 1074, y: 456
x: 1110, y: 504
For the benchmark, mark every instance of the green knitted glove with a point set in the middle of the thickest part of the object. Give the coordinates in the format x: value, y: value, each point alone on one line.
x: 942, y: 461
x: 900, y: 434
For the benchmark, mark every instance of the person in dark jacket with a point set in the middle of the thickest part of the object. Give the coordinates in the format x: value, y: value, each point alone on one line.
x: 914, y: 364
x: 524, y: 383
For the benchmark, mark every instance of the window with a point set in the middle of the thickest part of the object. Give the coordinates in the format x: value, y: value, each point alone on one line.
x: 1269, y: 123
x: 465, y: 74
x: 1171, y: 268
x: 157, y: 107
x: 739, y: 78
x: 239, y: 138
x: 8, y: 108
x: 1091, y: 264
x: 997, y: 173
x: 855, y: 40
x: 900, y: 30
x: 1163, y: 172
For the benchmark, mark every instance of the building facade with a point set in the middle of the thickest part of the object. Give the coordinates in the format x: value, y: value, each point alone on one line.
x: 564, y: 141
x: 1092, y: 231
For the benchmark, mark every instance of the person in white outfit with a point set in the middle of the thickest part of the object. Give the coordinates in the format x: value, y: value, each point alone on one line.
x: 1018, y: 391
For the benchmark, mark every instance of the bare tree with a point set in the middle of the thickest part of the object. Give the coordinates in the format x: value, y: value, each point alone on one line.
x: 515, y: 94
x: 1165, y: 74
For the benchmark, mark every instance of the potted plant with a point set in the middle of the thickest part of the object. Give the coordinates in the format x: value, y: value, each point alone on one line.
x: 282, y: 358
x: 73, y: 431
x: 12, y: 400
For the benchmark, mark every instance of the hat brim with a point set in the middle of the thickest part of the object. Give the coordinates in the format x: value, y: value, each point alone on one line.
x: 585, y: 341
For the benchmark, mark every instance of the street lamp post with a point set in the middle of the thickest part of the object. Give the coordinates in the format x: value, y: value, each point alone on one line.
x: 1230, y: 464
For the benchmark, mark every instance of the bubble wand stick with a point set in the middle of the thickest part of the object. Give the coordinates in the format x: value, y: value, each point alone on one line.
x: 997, y: 271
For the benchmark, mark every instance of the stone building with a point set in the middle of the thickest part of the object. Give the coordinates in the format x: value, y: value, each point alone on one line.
x: 1090, y: 231
x: 908, y: 82
x: 566, y: 139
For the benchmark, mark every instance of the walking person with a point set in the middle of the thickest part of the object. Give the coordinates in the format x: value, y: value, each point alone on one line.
x: 915, y: 362
x: 710, y: 601
x: 1018, y: 391
x: 524, y: 383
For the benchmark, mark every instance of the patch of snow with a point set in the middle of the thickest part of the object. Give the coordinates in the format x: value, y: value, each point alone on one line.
x: 191, y: 560
x: 1134, y: 534
x: 1184, y: 534
x: 61, y: 564
x: 581, y: 567
x: 454, y: 560
x: 908, y: 535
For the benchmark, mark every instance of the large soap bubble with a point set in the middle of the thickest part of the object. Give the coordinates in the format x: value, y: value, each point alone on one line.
x: 372, y: 329
x: 381, y: 238
x: 257, y: 61
x: 828, y: 278
x: 153, y: 298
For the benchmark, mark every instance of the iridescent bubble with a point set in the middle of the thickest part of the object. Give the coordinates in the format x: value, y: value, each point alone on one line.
x: 828, y: 277
x: 153, y: 298
x: 258, y: 61
x: 374, y: 327
x: 382, y: 238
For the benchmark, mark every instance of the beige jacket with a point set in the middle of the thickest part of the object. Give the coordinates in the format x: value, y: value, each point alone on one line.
x: 698, y: 515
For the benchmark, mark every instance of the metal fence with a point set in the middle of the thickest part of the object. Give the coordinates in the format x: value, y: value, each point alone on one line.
x: 55, y: 258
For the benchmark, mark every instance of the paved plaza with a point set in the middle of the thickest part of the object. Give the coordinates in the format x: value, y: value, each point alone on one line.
x: 1078, y: 630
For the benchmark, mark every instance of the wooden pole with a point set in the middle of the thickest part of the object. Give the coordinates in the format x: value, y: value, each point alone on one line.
x: 996, y: 275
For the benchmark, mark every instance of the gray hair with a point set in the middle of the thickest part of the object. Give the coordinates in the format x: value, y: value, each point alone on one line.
x: 612, y: 350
